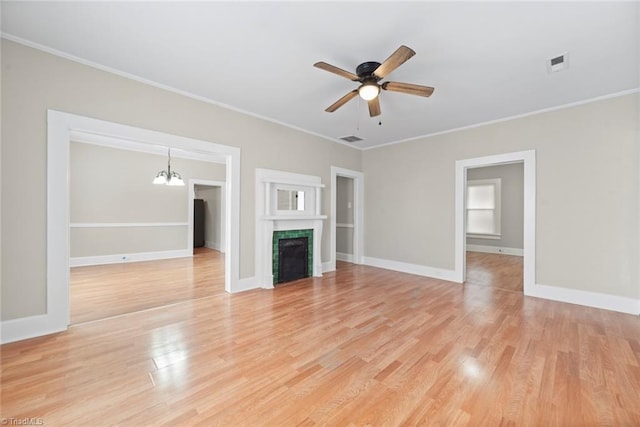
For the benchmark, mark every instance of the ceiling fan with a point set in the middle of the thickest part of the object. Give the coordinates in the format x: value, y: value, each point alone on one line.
x: 369, y: 75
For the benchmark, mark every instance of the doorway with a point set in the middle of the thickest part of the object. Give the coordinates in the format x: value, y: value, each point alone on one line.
x: 344, y: 219
x: 62, y: 128
x: 213, y: 196
x: 494, y: 202
x: 528, y: 158
x: 347, y: 217
x: 129, y: 237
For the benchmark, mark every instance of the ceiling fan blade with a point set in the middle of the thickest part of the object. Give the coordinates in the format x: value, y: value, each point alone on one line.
x: 397, y: 58
x: 409, y: 88
x: 374, y: 107
x: 335, y: 70
x: 340, y: 102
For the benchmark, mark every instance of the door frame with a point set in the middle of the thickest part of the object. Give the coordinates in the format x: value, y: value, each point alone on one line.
x: 191, y: 195
x: 358, y: 215
x: 529, y: 243
x: 60, y: 130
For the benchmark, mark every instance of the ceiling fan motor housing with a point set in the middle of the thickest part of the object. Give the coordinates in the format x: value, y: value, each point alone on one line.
x: 366, y: 69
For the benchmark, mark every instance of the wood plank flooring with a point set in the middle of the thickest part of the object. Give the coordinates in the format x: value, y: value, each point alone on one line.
x: 495, y: 270
x: 359, y: 346
x: 102, y: 291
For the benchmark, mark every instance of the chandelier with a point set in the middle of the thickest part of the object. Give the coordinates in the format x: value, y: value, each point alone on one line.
x: 168, y: 177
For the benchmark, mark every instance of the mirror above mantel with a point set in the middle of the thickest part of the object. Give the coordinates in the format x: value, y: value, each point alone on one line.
x: 290, y: 198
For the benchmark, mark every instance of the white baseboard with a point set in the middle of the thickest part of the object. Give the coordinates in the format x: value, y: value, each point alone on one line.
x: 344, y: 257
x: 555, y: 293
x: 120, y: 258
x: 328, y: 266
x: 212, y: 245
x: 28, y: 327
x: 247, y: 284
x: 586, y: 298
x: 255, y: 282
x: 420, y: 270
x: 495, y: 250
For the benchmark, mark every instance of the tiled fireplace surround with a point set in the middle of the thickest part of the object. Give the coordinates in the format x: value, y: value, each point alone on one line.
x: 291, y: 234
x: 269, y: 219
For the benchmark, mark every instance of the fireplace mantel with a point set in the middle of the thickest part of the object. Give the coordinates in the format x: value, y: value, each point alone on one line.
x: 288, y: 218
x: 270, y: 218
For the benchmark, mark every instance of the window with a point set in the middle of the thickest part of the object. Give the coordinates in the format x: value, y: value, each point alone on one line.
x: 483, y: 208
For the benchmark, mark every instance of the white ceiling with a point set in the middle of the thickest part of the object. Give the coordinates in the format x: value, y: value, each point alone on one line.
x: 487, y: 61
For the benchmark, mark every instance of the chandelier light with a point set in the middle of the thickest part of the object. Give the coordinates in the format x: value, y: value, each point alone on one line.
x: 168, y: 177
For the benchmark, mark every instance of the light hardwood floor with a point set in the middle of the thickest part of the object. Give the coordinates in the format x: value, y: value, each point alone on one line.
x: 360, y: 346
x: 495, y: 270
x: 102, y: 291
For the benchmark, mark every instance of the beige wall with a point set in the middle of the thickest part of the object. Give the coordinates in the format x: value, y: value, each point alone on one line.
x: 34, y: 81
x: 109, y: 185
x: 587, y: 194
x: 587, y: 182
x: 93, y: 242
x: 512, y: 204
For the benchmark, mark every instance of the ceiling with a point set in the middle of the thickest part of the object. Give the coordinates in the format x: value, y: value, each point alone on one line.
x: 486, y: 60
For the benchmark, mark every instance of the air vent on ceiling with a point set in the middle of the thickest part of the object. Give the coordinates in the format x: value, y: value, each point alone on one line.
x: 558, y: 63
x: 351, y: 138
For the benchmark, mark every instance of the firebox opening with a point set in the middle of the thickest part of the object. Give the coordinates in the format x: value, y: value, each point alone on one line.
x: 293, y: 259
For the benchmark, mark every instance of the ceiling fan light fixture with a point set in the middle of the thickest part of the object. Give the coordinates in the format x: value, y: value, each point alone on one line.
x: 369, y: 74
x: 368, y: 91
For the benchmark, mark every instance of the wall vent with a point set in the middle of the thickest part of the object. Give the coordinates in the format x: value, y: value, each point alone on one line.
x: 558, y: 63
x: 351, y: 138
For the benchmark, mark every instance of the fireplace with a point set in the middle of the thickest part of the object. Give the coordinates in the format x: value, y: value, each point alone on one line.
x: 280, y: 214
x: 292, y: 255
